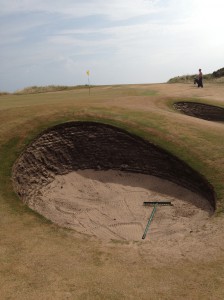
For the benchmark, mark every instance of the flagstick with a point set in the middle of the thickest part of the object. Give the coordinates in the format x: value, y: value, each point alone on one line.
x: 87, y: 72
x: 89, y: 84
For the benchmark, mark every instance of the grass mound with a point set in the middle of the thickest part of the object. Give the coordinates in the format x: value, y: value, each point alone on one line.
x: 215, y: 77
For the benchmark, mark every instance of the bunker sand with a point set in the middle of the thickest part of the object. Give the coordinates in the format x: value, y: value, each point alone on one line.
x: 108, y: 205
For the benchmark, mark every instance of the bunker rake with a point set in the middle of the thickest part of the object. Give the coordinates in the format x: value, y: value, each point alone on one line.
x: 155, y: 204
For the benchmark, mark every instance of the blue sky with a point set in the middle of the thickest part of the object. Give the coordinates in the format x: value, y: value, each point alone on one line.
x: 44, y: 42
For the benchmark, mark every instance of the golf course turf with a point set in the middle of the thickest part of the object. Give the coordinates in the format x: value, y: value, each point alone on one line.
x: 183, y: 254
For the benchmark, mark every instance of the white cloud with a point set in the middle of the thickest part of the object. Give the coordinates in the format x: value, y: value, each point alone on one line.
x: 129, y: 41
x: 116, y: 9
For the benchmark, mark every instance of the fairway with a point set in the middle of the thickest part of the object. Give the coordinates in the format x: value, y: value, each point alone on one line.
x: 55, y: 252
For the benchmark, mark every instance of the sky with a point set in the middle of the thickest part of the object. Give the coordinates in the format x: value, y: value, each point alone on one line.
x: 54, y: 42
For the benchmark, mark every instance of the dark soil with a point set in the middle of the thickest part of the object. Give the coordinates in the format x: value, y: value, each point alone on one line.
x: 200, y: 110
x: 87, y: 145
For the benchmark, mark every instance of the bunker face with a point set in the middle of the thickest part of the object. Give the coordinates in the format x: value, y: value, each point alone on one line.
x: 200, y: 110
x: 64, y: 175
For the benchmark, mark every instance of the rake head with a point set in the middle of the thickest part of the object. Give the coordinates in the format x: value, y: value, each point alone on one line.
x: 158, y: 203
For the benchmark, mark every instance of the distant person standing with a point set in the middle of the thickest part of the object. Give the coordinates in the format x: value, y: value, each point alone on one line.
x: 200, y: 83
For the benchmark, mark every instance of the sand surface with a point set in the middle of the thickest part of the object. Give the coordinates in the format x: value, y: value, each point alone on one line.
x: 109, y: 205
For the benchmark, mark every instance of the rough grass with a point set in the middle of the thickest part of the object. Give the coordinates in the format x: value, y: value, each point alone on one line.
x: 207, y: 78
x: 49, y: 88
x: 3, y: 93
x: 41, y: 261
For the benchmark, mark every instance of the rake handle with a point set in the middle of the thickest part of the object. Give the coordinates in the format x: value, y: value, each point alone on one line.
x: 150, y: 220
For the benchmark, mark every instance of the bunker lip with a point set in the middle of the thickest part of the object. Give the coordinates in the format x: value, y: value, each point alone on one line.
x: 74, y: 146
x: 201, y: 110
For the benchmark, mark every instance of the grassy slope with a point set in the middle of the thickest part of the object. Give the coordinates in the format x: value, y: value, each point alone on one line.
x: 215, y: 77
x: 41, y: 261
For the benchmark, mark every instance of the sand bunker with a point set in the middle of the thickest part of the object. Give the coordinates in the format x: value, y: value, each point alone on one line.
x: 201, y: 110
x: 94, y: 178
x: 109, y: 205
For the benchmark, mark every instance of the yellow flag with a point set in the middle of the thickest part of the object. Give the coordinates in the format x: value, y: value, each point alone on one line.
x: 87, y: 72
